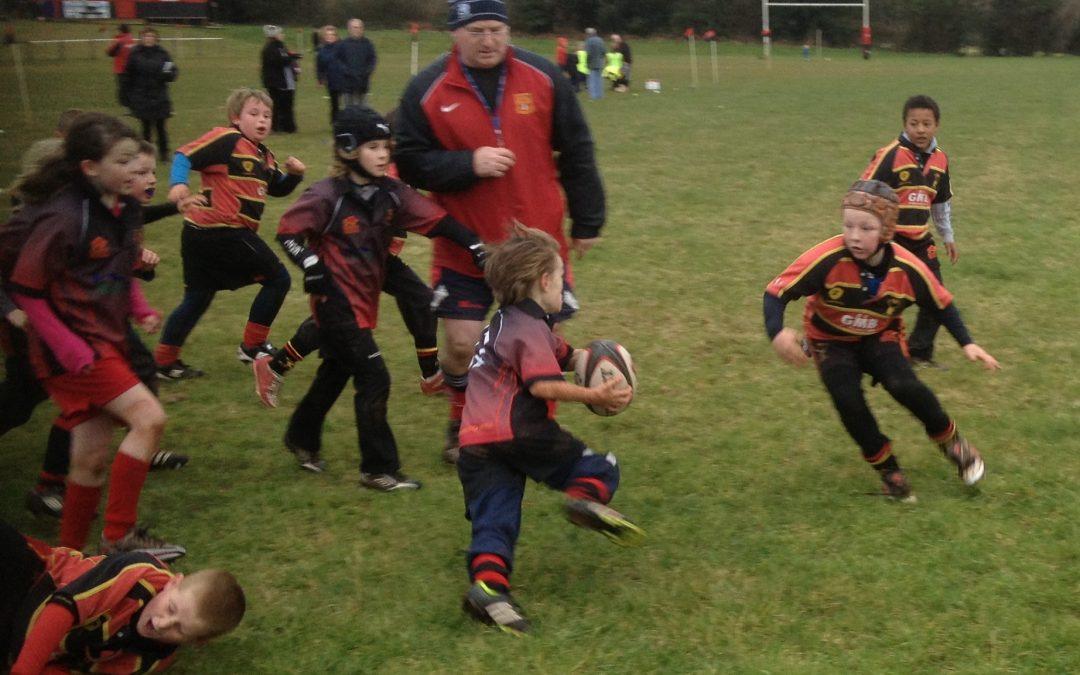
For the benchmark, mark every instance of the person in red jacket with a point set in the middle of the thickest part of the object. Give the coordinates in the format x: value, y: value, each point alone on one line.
x: 497, y: 136
x: 119, y: 49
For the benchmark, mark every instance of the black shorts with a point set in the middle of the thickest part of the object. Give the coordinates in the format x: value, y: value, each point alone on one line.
x: 925, y: 250
x: 879, y: 356
x: 226, y: 258
x: 459, y: 296
x: 538, y: 454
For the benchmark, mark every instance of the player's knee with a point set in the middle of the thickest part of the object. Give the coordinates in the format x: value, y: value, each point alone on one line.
x: 281, y: 281
x: 903, y: 387
x: 149, y: 417
x: 457, y: 352
x: 92, y: 461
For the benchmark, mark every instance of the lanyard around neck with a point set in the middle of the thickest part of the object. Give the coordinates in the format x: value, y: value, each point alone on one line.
x: 493, y: 111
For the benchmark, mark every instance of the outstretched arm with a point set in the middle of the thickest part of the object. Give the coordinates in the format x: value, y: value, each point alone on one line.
x: 950, y: 318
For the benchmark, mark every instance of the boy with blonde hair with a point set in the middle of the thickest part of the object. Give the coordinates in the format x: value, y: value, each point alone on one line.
x: 220, y: 247
x: 508, y: 428
x: 123, y: 613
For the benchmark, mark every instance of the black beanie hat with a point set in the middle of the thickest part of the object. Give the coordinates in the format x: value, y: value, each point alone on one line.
x: 464, y: 12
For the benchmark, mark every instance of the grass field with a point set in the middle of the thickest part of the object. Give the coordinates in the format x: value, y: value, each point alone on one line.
x: 765, y: 552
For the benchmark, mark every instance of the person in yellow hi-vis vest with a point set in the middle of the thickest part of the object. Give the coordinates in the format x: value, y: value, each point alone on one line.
x: 613, y: 69
x: 582, y: 67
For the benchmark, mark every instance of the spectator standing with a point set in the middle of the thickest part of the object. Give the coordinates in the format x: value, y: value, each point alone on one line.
x: 328, y: 67
x: 619, y: 45
x: 356, y: 58
x: 497, y: 135
x: 149, y: 71
x: 596, y: 59
x: 279, y: 78
x: 120, y: 49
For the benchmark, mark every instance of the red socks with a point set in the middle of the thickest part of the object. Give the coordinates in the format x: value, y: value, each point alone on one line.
x: 165, y: 354
x: 945, y: 436
x: 457, y: 403
x: 592, y: 489
x: 126, y: 480
x: 492, y: 570
x: 255, y: 334
x: 80, y: 506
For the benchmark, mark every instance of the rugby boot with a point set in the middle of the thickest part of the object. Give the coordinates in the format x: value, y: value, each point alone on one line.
x: 249, y: 354
x: 267, y: 382
x: 493, y: 608
x: 605, y: 520
x: 139, y: 539
x: 894, y: 485
x: 968, y: 461
x: 388, y: 482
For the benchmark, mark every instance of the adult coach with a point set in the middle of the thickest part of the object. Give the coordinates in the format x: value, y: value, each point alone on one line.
x: 497, y: 135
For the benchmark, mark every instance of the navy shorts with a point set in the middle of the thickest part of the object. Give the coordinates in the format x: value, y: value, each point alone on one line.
x: 226, y: 258
x: 460, y: 296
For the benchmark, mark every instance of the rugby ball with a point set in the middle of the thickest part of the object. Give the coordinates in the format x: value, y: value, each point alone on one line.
x: 602, y: 361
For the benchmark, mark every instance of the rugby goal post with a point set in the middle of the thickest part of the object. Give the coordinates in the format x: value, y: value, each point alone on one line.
x: 766, y: 32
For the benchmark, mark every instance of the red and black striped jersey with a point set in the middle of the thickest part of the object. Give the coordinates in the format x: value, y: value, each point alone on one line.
x: 105, y: 596
x: 353, y: 236
x: 840, y: 305
x: 79, y: 257
x: 515, y: 350
x: 237, y: 175
x: 919, y: 179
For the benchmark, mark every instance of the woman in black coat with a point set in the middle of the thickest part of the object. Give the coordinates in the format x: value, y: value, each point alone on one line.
x: 279, y: 78
x: 149, y: 71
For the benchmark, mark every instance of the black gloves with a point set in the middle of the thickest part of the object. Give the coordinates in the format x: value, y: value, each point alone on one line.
x: 317, y: 279
x: 479, y: 254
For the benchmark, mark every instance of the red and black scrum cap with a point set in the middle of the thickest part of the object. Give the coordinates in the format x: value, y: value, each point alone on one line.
x: 877, y: 198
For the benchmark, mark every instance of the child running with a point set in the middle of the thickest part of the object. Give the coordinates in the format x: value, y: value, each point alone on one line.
x: 339, y: 233
x: 61, y: 611
x: 73, y: 279
x: 47, y: 497
x: 917, y: 169
x: 858, y: 284
x: 219, y: 246
x: 413, y: 298
x: 508, y: 428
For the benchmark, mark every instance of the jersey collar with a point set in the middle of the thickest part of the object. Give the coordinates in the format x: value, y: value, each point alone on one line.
x: 531, y: 308
x: 910, y: 145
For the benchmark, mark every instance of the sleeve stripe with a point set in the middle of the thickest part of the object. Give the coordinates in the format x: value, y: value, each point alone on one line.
x: 931, y: 282
x: 110, y: 582
x: 191, y: 150
x: 882, y: 154
x: 810, y: 267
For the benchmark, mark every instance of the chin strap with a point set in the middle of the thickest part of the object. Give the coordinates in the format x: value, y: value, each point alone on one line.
x: 354, y: 165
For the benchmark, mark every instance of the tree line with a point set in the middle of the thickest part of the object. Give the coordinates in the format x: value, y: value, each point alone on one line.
x: 1007, y: 27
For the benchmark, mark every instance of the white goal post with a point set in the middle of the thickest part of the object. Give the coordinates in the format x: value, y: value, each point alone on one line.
x: 766, y: 32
